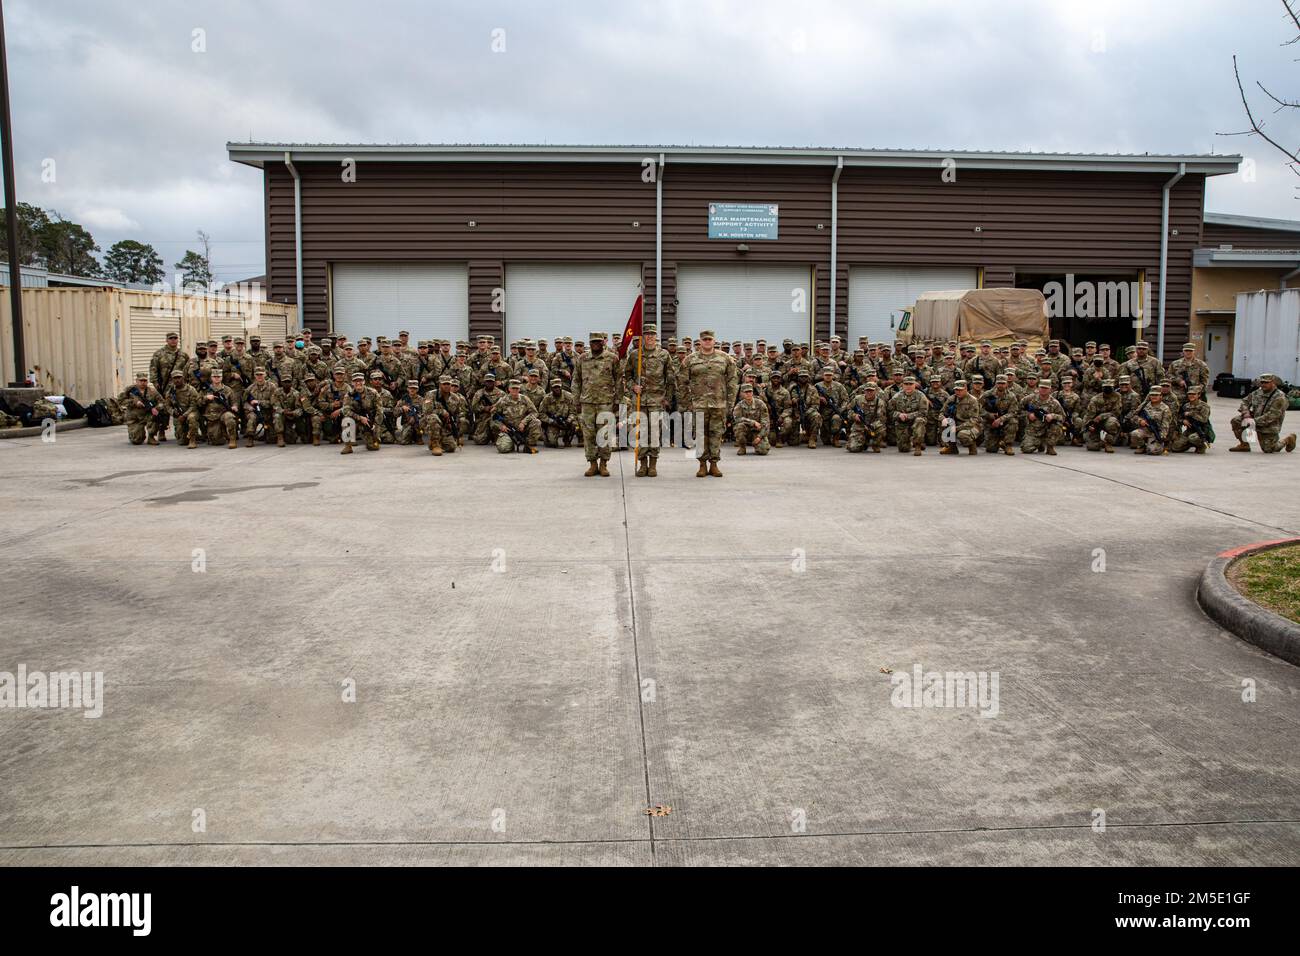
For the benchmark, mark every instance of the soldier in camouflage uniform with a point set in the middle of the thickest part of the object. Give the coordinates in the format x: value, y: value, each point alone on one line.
x: 866, y: 419
x: 1073, y: 405
x: 360, y: 415
x: 262, y: 405
x: 938, y: 398
x: 218, y: 406
x: 777, y: 397
x: 1152, y: 424
x: 145, y: 414
x: 295, y: 419
x: 1188, y: 371
x: 387, y: 420
x: 656, y: 386
x: 711, y: 384
x: 452, y: 412
x: 166, y: 360
x: 1265, y: 410
x: 183, y: 408
x: 1143, y: 370
x: 597, y: 383
x: 330, y: 400
x: 832, y: 397
x: 1192, y: 427
x: 753, y: 423
x: 410, y: 417
x: 1102, y: 418
x: 557, y: 416
x: 238, y: 372
x: 514, y: 422
x: 908, y: 410
x: 533, y: 389
x: 481, y: 408
x: 1001, y: 417
x: 1044, y: 421
x: 963, y: 421
x: 805, y: 409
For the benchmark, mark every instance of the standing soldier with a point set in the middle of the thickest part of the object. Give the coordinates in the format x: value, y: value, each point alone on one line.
x: 1044, y: 421
x: 832, y: 396
x: 656, y: 385
x: 597, y: 383
x: 909, y: 409
x: 454, y: 413
x: 1001, y: 417
x: 533, y: 390
x: 386, y: 419
x: 778, y: 405
x: 1188, y: 371
x: 1192, y: 428
x: 238, y: 372
x: 752, y: 422
x: 261, y: 407
x: 1143, y: 370
x: 1265, y: 410
x: 218, y: 406
x: 145, y: 414
x: 1101, y: 420
x: 183, y: 407
x: 711, y: 383
x: 966, y: 419
x: 166, y: 360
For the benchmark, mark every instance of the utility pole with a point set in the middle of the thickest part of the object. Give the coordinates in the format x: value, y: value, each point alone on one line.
x: 11, y: 213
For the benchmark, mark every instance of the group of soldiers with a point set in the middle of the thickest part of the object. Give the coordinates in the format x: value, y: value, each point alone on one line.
x: 758, y: 395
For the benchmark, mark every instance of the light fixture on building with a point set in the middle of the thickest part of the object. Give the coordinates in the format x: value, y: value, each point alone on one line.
x: 636, y: 224
x: 979, y: 228
x: 821, y: 226
x: 473, y: 223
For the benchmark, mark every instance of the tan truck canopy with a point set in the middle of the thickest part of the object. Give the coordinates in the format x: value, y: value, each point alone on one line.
x: 1000, y: 315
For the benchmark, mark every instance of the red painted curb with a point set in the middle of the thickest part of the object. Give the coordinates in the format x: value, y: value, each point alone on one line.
x: 1237, y: 552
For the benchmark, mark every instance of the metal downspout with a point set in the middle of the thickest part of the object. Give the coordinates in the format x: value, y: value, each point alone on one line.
x: 1164, y: 257
x: 297, y: 237
x: 835, y: 234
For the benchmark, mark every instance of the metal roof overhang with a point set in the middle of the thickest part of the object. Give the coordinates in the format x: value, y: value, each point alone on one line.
x: 1252, y: 222
x: 1246, y: 258
x: 257, y: 154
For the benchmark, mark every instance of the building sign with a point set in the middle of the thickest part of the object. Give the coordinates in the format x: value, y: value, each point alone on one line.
x: 742, y: 220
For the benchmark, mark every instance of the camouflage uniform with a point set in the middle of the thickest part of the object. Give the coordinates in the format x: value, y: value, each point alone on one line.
x: 166, y: 360
x: 518, y: 413
x: 967, y: 421
x: 1267, y: 410
x: 481, y: 406
x: 145, y: 412
x: 1192, y: 427
x: 183, y: 408
x: 1001, y: 419
x: 1040, y: 432
x: 830, y: 397
x: 867, y: 420
x: 805, y: 412
x: 597, y: 383
x: 1151, y: 433
x: 938, y: 398
x: 415, y: 417
x: 557, y: 416
x: 295, y: 419
x: 217, y: 404
x: 262, y: 399
x: 909, y: 411
x: 1101, y: 420
x: 711, y: 384
x: 753, y: 423
x: 1188, y: 371
x: 658, y: 385
x: 362, y: 415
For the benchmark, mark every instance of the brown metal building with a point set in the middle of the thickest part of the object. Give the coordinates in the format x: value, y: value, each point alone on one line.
x: 538, y: 241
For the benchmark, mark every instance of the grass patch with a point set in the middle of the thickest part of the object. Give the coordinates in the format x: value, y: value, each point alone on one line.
x: 1272, y: 579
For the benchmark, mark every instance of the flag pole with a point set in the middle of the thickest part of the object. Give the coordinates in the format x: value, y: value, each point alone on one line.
x: 640, y: 348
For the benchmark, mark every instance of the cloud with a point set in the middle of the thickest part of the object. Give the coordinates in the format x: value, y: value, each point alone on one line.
x: 137, y: 119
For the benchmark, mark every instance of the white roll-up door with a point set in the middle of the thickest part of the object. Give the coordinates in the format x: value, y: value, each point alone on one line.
x: 428, y: 299
x: 878, y: 294
x: 745, y: 301
x: 549, y: 299
x: 149, y: 330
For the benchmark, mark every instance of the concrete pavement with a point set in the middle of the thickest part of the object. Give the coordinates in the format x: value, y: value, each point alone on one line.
x: 536, y: 657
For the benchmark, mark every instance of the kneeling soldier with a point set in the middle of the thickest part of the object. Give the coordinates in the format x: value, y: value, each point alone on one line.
x: 183, y: 405
x: 409, y: 409
x: 262, y: 407
x: 218, y: 407
x: 965, y: 418
x: 752, y: 422
x: 144, y: 411
x: 1044, y: 421
x: 867, y: 419
x: 360, y: 417
x: 1154, y: 421
x: 514, y: 422
x: 908, y: 409
x: 1001, y: 421
x: 1193, y: 428
x: 556, y: 412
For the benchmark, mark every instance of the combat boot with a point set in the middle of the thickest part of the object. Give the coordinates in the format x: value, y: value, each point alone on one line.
x: 153, y: 440
x: 713, y: 470
x: 1051, y: 450
x: 812, y: 442
x: 778, y: 444
x: 1289, y: 442
x: 640, y: 468
x: 435, y: 449
x: 1109, y: 449
x: 917, y: 451
x: 315, y: 439
x: 372, y: 444
x: 347, y: 448
x: 591, y: 469
x: 703, y: 471
x: 1008, y: 450
x: 193, y: 443
x: 279, y: 441
x: 1240, y: 446
x: 251, y: 441
x: 835, y: 441
x: 652, y: 469
x: 948, y: 450
x: 232, y: 442
x: 973, y: 448
x: 740, y: 449
x: 602, y: 467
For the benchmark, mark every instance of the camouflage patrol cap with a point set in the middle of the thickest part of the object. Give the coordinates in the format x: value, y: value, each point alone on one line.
x: 828, y: 370
x: 445, y: 380
x: 568, y: 340
x: 382, y: 339
x: 1046, y: 385
x: 1154, y: 390
x: 216, y: 373
x: 339, y: 370
x: 650, y: 329
x: 313, y: 350
x: 1107, y: 383
x: 358, y: 375
x: 1189, y: 347
x: 227, y: 338
x: 173, y: 335
x: 177, y: 373
x: 909, y: 380
x: 936, y: 378
x: 1123, y: 380
x: 960, y: 383
x: 530, y: 345
x: 776, y: 374
x: 977, y: 378
x: 278, y: 345
x: 804, y: 373
x: 376, y: 374
x: 1140, y: 344
x: 1040, y: 352
x: 239, y: 341
x: 412, y: 383
x: 327, y: 341
x: 514, y: 383
x: 1086, y: 344
x: 1000, y: 380
x: 869, y: 387
x: 555, y: 381
x: 309, y: 376
x: 595, y: 336
x: 1195, y: 388
x: 985, y: 342
x: 747, y: 387
x: 707, y: 334
x: 533, y: 371
x: 260, y: 370
x: 255, y: 338
x: 1268, y: 377
x: 494, y: 350
x: 490, y: 377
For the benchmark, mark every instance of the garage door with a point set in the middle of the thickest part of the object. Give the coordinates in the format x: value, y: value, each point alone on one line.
x: 878, y: 293
x: 745, y: 301
x: 149, y: 330
x: 429, y: 300
x: 549, y: 299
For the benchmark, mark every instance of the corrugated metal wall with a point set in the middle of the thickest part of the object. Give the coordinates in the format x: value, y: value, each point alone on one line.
x: 1081, y: 222
x: 87, y: 343
x: 1244, y: 237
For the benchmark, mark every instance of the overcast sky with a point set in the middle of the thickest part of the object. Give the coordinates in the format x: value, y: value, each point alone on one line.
x: 136, y: 120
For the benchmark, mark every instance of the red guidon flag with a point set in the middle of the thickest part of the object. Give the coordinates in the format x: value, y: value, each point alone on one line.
x: 632, y: 329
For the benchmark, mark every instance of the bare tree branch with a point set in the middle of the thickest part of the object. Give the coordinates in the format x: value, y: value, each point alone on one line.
x: 1255, y: 128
